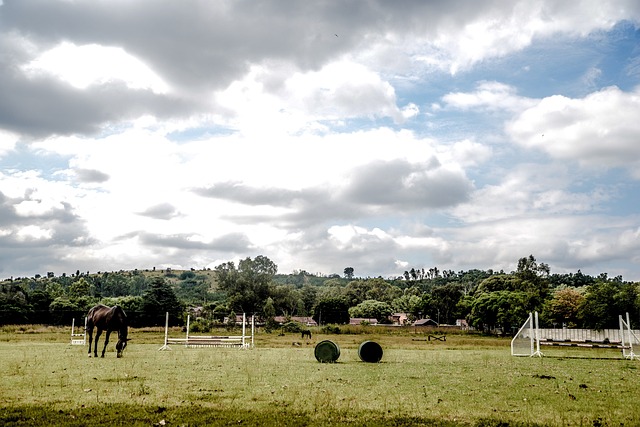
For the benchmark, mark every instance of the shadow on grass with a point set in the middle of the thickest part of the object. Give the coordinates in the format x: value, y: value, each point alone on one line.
x: 196, y: 415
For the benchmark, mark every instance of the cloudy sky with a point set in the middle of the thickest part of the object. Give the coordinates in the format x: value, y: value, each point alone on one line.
x: 376, y: 135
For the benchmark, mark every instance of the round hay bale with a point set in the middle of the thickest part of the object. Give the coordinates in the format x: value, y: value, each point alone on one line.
x: 327, y: 351
x: 370, y: 351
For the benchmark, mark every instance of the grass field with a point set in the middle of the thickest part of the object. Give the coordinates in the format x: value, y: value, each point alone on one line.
x: 466, y: 380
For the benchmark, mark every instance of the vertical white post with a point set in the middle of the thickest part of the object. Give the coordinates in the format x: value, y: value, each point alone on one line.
x: 166, y: 329
x: 631, y: 354
x: 188, y: 321
x: 622, y: 338
x: 253, y: 328
x: 244, y: 326
x: 166, y: 334
x: 632, y: 337
x: 84, y: 336
x: 532, y: 335
x: 73, y: 324
x: 537, y: 332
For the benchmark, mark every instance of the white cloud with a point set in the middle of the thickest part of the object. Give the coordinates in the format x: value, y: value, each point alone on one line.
x: 8, y: 142
x: 500, y: 29
x: 202, y: 134
x: 85, y: 65
x: 599, y: 130
x: 268, y: 98
x: 490, y: 96
x: 33, y: 232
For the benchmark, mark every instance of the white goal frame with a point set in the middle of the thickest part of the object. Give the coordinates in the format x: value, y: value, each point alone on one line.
x: 530, y: 334
x: 628, y: 339
x: 529, y: 330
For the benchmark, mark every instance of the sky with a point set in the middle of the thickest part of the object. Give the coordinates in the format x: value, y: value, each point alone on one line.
x: 377, y: 135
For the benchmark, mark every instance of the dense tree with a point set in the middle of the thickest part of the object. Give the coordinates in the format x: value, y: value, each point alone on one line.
x: 378, y: 289
x: 79, y: 288
x: 563, y: 308
x: 63, y: 310
x: 269, y: 315
x: 247, y: 286
x: 158, y: 300
x: 287, y: 300
x: 40, y: 301
x: 14, y: 306
x: 498, y: 282
x: 598, y: 307
x: 444, y: 303
x: 348, y: 273
x: 331, y: 310
x: 308, y: 294
x: 486, y: 298
x: 372, y: 309
x: 408, y: 303
x: 115, y: 285
x: 501, y: 309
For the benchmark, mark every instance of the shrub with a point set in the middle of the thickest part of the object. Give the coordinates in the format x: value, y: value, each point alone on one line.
x: 200, y: 325
x: 331, y: 329
x: 293, y: 327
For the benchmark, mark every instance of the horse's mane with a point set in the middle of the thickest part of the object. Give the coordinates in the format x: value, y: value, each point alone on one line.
x: 119, y: 313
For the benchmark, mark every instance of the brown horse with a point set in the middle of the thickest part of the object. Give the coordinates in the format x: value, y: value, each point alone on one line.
x: 109, y: 320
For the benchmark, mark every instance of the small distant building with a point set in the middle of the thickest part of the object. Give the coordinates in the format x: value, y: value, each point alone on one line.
x: 425, y: 322
x: 305, y: 320
x: 462, y: 323
x: 363, y: 320
x: 399, y: 319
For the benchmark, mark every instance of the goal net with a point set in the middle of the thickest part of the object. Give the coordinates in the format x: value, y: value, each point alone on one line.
x: 527, y: 341
x: 628, y: 339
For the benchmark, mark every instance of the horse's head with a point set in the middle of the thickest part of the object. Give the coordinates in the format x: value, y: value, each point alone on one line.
x: 122, y: 342
x: 120, y: 346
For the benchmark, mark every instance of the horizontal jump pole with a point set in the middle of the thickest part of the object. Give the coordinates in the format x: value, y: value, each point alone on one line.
x: 200, y: 341
x: 582, y: 344
x: 213, y: 337
x: 191, y: 341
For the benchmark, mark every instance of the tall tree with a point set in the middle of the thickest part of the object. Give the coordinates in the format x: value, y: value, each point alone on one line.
x: 160, y: 299
x: 348, y: 272
x: 563, y: 308
x: 247, y: 286
x: 331, y: 310
x: 372, y: 309
x: 269, y: 315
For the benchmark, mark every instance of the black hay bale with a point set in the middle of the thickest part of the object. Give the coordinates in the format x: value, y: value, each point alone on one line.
x: 370, y: 351
x: 327, y: 351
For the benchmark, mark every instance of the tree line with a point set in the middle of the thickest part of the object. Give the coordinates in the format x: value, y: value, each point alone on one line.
x: 486, y: 299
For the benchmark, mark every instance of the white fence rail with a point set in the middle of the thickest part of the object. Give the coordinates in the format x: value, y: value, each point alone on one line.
x: 194, y: 341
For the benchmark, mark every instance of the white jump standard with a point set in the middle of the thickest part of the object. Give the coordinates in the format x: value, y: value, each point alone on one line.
x: 193, y: 341
x: 75, y: 338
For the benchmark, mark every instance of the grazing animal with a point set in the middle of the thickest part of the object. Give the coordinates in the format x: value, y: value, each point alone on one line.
x: 307, y: 333
x: 107, y: 319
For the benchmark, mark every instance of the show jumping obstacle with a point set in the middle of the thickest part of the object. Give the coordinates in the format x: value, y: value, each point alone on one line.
x: 530, y: 337
x: 75, y: 338
x: 193, y: 341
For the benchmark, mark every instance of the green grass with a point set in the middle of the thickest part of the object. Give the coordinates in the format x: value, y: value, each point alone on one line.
x: 466, y: 380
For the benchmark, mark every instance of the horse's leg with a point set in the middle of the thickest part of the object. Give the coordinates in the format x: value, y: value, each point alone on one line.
x: 95, y: 344
x: 106, y: 341
x: 90, y: 332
